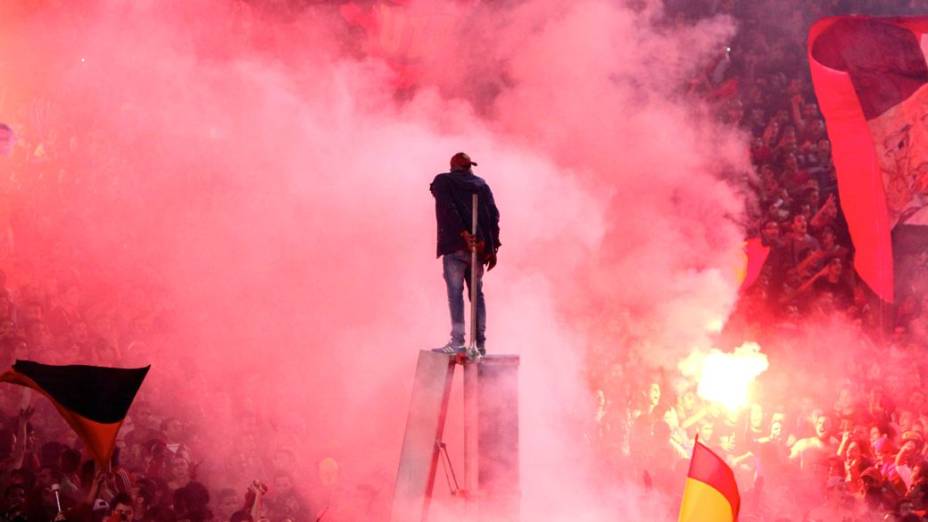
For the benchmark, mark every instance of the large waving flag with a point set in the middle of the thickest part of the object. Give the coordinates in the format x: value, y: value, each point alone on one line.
x: 93, y: 400
x: 871, y: 81
x: 711, y: 493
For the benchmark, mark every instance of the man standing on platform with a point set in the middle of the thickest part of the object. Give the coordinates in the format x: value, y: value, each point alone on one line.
x: 453, y: 193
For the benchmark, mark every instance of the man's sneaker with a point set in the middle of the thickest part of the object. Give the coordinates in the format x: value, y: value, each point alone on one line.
x: 482, y: 350
x: 452, y: 348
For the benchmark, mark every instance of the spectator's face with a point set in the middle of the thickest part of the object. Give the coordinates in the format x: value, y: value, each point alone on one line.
x: 809, y: 111
x: 767, y: 174
x: 779, y: 214
x: 174, y: 430
x: 874, y: 434
x: 143, y: 418
x: 806, y: 210
x: 122, y: 513
x: 689, y: 401
x: 180, y: 468
x: 822, y: 426
x: 771, y: 187
x: 136, y: 453
x: 814, y: 196
x: 45, y: 477
x: 773, y: 128
x: 776, y: 429
x: 799, y: 225
x: 228, y: 505
x: 826, y: 303
x: 654, y: 394
x: 727, y: 443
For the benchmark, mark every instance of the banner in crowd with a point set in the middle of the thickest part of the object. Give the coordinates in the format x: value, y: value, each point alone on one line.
x: 711, y: 493
x: 755, y: 256
x: 871, y: 81
x: 93, y: 400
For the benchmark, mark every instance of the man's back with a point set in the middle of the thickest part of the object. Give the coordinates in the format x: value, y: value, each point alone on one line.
x: 452, y: 192
x: 463, y: 252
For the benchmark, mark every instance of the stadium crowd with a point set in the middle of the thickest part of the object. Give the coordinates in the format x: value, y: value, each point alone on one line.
x: 807, y: 448
x: 856, y: 446
x: 52, y: 313
x: 59, y: 312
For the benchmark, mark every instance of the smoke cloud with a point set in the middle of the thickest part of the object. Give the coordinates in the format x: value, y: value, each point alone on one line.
x: 261, y: 174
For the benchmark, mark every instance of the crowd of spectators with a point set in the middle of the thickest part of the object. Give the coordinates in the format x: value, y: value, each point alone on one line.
x: 853, y: 449
x: 856, y: 451
x: 58, y: 311
x: 157, y: 473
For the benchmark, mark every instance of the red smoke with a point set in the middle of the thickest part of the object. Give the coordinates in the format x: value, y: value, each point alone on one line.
x: 262, y: 173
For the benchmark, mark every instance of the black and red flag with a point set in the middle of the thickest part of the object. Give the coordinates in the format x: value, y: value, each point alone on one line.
x: 871, y: 81
x: 93, y: 400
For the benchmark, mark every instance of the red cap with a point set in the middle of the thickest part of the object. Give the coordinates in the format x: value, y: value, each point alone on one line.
x: 461, y: 161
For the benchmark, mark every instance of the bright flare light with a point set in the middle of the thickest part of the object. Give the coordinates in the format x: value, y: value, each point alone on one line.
x: 726, y: 377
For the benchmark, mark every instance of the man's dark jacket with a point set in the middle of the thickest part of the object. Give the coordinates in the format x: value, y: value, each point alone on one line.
x: 452, y: 191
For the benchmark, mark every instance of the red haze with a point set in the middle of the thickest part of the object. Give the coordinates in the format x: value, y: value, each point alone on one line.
x: 259, y: 171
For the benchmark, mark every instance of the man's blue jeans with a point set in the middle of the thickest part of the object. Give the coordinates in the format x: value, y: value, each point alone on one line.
x: 456, y: 271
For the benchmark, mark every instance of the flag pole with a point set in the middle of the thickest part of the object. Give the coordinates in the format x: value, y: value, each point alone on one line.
x: 472, y: 347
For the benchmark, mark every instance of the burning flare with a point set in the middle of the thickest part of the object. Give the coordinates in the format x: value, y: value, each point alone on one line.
x: 726, y: 378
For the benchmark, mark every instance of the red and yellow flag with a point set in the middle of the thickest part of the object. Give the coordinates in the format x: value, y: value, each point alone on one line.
x: 711, y: 494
